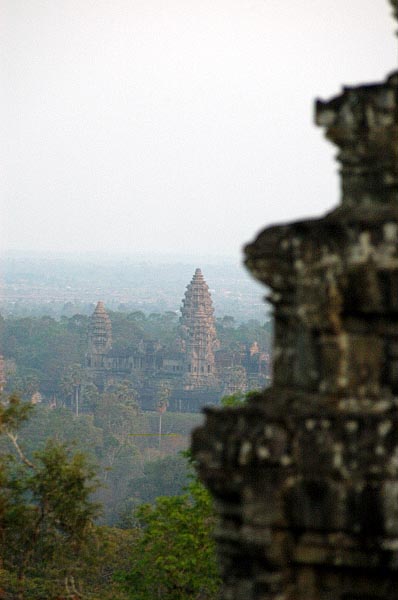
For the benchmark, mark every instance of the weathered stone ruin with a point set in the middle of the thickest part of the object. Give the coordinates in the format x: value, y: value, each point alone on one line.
x: 305, y: 475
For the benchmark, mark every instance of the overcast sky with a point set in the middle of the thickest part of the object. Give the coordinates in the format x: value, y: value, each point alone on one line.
x: 174, y: 126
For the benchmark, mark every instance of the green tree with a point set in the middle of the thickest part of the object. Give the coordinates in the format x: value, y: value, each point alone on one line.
x: 46, y: 514
x: 62, y: 425
x: 239, y: 398
x: 116, y: 413
x: 174, y: 557
x: 127, y: 330
x: 166, y: 476
x: 43, y: 346
x: 71, y: 383
x: 89, y: 396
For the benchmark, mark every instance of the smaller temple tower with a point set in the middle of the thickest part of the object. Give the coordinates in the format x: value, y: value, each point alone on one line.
x: 99, y: 338
x: 198, y: 331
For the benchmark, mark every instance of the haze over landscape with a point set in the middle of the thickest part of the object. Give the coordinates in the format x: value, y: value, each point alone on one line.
x: 173, y: 128
x: 145, y: 142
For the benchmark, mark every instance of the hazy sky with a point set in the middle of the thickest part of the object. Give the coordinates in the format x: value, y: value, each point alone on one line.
x: 174, y: 126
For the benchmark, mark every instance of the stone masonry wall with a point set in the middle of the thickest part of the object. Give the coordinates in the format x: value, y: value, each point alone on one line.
x: 305, y: 476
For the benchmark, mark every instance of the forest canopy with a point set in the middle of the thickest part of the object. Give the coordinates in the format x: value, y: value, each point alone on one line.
x: 41, y: 353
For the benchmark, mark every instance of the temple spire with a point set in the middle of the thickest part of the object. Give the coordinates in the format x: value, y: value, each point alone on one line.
x: 99, y: 336
x: 199, y: 334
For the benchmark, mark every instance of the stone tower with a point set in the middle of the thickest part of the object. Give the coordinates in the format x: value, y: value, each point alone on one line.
x: 306, y: 474
x: 199, y: 334
x: 99, y: 337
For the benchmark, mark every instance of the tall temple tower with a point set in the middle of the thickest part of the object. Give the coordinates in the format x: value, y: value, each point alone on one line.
x: 199, y: 334
x: 99, y: 337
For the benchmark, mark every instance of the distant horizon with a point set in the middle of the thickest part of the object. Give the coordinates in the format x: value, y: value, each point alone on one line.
x: 174, y: 128
x: 31, y: 282
x: 170, y: 257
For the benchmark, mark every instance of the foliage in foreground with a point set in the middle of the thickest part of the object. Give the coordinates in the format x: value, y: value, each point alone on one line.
x: 51, y: 549
x: 46, y: 514
x: 239, y: 398
x: 174, y: 557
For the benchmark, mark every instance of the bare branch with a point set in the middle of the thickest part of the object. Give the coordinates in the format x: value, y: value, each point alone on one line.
x: 13, y: 437
x: 71, y: 590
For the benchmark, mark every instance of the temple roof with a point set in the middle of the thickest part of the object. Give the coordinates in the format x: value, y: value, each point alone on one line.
x: 197, y: 301
x: 100, y: 308
x: 100, y: 328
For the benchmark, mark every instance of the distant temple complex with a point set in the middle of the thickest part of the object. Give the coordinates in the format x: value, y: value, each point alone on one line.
x: 194, y: 372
